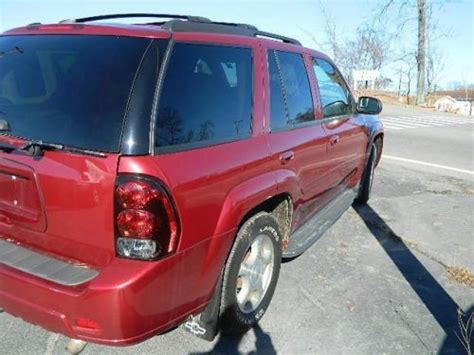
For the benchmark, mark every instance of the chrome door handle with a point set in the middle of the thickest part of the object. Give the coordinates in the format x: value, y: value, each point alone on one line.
x: 287, y: 156
x: 334, y: 140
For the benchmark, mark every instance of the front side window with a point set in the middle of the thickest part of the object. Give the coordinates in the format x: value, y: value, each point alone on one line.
x: 291, y: 102
x: 335, y: 96
x: 206, y: 96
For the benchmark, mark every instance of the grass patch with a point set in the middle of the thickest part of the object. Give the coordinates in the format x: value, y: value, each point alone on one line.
x: 461, y: 275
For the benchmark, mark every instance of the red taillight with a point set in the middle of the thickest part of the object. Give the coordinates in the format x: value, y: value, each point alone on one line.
x: 136, y: 194
x: 59, y: 27
x: 136, y: 224
x: 145, y: 219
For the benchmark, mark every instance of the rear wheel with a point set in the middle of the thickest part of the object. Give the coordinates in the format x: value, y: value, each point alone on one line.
x: 367, y: 179
x: 251, y: 274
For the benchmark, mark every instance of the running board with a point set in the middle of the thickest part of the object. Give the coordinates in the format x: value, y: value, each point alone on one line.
x: 306, y: 235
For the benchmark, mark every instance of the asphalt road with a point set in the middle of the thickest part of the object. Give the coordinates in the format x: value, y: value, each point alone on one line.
x: 381, y: 281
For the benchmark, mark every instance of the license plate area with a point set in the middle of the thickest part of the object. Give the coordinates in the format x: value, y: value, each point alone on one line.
x: 20, y: 203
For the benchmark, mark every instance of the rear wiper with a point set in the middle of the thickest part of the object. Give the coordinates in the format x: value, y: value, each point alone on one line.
x: 37, y: 149
x: 31, y: 148
x: 7, y: 147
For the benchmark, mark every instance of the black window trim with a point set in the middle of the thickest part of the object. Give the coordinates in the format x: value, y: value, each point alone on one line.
x: 289, y: 126
x: 350, y: 96
x: 293, y: 127
x: 202, y: 144
x: 128, y: 122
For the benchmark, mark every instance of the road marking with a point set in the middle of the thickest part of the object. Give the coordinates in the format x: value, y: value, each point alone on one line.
x: 395, y: 125
x: 406, y: 122
x: 465, y: 171
x: 436, y: 119
x: 426, y: 120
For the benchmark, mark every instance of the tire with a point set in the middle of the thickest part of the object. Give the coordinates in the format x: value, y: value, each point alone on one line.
x: 367, y: 179
x: 257, y: 248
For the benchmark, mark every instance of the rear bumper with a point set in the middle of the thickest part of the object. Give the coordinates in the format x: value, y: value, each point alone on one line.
x: 127, y: 302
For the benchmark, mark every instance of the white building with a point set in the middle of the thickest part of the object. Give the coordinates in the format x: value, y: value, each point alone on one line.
x: 449, y: 104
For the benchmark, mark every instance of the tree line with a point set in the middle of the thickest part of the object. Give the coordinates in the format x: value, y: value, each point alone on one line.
x: 401, y: 33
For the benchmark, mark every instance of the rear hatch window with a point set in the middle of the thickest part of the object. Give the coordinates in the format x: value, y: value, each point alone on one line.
x: 68, y: 89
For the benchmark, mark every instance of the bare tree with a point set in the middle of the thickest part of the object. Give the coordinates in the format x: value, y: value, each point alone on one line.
x: 428, y: 60
x: 406, y: 72
x: 367, y: 49
x: 421, y: 54
x: 435, y: 64
x: 435, y: 58
x: 405, y: 16
x: 409, y: 72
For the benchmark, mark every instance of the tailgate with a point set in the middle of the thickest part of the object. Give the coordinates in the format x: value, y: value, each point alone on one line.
x: 60, y: 203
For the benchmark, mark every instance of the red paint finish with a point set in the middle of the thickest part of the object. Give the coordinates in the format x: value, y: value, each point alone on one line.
x: 76, y: 194
x: 97, y: 29
x: 67, y: 208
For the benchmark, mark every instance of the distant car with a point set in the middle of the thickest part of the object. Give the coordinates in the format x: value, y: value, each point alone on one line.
x: 157, y: 173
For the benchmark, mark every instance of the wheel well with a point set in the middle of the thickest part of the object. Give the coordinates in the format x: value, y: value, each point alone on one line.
x: 280, y: 207
x: 378, y: 141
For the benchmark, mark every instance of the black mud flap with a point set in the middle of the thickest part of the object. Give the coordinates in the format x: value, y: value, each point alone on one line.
x: 205, y: 325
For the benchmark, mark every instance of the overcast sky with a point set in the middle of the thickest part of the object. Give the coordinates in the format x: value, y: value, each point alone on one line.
x: 293, y: 18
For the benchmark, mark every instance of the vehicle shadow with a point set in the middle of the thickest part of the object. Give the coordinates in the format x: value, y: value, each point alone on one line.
x: 230, y: 345
x: 432, y: 294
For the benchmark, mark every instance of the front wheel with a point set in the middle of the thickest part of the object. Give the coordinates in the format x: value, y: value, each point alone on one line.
x: 367, y: 179
x: 251, y: 274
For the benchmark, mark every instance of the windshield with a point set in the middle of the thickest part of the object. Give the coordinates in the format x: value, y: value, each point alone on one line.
x: 68, y: 89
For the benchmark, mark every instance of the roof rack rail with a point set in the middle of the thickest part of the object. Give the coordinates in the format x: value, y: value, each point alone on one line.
x: 137, y: 15
x: 224, y: 27
x: 278, y: 37
x: 192, y: 24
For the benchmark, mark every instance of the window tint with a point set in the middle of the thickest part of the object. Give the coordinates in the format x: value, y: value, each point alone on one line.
x: 289, y: 70
x: 206, y: 97
x: 335, y: 96
x: 65, y: 89
x: 278, y: 109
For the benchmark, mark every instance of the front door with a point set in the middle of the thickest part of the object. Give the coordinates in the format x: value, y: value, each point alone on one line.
x: 346, y: 137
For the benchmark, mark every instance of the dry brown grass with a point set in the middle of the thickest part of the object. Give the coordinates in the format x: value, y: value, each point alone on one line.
x: 465, y: 322
x: 461, y: 275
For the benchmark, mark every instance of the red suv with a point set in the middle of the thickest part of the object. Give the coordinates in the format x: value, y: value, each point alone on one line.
x: 156, y: 174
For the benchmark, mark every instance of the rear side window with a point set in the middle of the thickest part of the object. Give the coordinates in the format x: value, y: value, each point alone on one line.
x: 291, y: 102
x: 335, y: 96
x: 66, y: 89
x: 206, y: 97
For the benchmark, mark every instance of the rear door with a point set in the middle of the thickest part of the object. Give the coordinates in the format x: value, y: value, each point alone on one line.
x: 208, y: 145
x: 346, y: 136
x: 297, y: 140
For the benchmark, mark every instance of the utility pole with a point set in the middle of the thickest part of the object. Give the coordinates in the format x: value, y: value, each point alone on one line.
x: 421, y: 54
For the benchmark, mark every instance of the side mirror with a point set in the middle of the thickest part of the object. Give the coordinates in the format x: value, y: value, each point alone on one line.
x: 369, y: 105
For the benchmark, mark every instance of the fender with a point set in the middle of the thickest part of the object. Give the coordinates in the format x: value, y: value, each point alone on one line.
x: 243, y: 198
x: 374, y: 129
x: 239, y: 201
x: 288, y: 183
